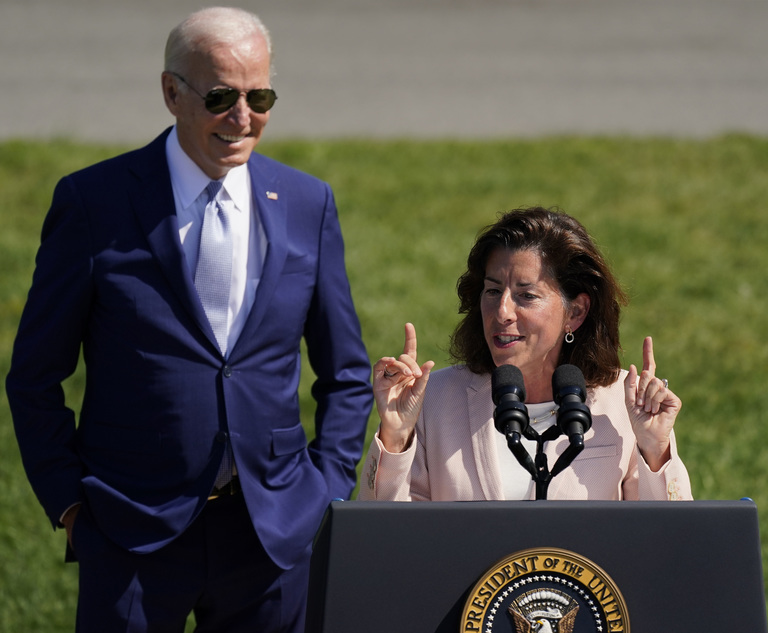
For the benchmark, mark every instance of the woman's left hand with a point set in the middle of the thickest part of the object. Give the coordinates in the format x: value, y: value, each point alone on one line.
x: 652, y: 409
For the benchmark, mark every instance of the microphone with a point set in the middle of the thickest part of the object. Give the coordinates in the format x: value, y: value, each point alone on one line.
x: 508, y: 393
x: 570, y: 391
x: 510, y: 415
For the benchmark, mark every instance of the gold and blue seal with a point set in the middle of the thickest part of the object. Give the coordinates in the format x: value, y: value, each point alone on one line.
x: 545, y: 590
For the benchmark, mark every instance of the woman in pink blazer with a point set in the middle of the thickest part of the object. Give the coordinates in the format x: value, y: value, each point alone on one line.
x: 537, y: 294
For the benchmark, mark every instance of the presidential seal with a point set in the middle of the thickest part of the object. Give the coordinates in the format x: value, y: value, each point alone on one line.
x: 545, y: 590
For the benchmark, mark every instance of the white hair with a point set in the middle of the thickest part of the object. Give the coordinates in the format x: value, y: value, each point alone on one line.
x: 214, y: 25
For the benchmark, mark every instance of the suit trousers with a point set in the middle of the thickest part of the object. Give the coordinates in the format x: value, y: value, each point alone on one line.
x: 217, y: 569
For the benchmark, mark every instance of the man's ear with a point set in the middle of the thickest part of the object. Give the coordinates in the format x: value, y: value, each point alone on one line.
x: 579, y: 310
x: 170, y: 92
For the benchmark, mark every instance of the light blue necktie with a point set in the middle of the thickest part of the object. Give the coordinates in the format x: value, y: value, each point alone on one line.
x: 214, y: 265
x: 213, y: 280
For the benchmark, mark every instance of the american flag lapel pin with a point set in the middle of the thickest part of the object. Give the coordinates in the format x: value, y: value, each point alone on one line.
x: 272, y: 195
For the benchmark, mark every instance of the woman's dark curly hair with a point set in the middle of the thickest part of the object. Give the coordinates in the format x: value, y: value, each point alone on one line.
x: 574, y: 262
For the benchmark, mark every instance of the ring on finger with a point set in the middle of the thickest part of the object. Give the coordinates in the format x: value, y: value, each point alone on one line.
x: 388, y: 374
x: 665, y: 382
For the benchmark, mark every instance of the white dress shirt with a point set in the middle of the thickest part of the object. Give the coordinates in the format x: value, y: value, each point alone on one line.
x: 249, y: 244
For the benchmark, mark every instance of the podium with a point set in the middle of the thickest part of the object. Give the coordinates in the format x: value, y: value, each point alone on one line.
x: 389, y: 567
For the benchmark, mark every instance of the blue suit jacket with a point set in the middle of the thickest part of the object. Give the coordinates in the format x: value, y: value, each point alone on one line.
x: 160, y: 401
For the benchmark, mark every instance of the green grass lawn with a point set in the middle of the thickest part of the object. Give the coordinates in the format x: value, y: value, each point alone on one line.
x: 682, y: 221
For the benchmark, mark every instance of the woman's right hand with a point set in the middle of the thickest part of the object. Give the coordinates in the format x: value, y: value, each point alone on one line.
x: 398, y: 386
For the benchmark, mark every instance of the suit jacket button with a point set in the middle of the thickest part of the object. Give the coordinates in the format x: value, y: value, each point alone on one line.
x: 221, y: 436
x: 227, y: 371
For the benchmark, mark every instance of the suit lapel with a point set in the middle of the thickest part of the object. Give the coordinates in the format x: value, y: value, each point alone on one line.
x: 270, y: 203
x: 483, y: 441
x: 155, y: 209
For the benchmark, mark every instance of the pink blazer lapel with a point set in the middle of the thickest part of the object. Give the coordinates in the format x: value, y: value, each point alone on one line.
x: 482, y: 433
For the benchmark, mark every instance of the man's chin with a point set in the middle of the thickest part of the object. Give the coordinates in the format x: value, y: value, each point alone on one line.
x: 230, y: 160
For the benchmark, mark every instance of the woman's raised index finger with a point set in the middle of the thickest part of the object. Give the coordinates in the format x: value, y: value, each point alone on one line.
x: 649, y: 364
x: 409, y: 347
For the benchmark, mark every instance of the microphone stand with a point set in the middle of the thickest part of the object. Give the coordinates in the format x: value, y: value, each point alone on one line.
x: 539, y: 468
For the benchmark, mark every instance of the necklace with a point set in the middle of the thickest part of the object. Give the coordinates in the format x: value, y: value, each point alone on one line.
x: 548, y: 415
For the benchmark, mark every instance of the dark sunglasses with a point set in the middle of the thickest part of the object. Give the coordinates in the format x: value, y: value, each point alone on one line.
x: 220, y: 100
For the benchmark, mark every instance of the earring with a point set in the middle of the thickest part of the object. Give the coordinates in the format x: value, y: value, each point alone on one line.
x: 569, y: 337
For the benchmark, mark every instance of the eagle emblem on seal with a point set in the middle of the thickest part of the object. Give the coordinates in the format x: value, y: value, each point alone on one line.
x: 544, y: 611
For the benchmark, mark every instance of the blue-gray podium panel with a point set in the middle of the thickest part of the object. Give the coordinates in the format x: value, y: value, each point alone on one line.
x: 386, y: 567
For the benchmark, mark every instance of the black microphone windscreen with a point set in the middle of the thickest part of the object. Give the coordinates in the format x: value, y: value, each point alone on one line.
x: 506, y: 379
x: 570, y: 378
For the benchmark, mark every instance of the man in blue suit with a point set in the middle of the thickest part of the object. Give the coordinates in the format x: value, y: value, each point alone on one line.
x: 188, y: 485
